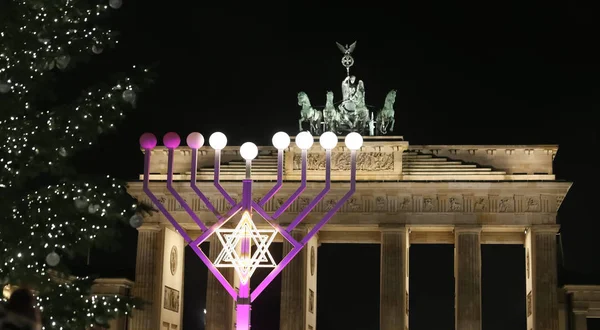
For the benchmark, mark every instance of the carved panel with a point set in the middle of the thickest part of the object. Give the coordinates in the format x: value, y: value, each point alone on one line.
x: 313, y: 261
x: 559, y: 200
x: 302, y: 203
x: 405, y: 204
x: 529, y: 304
x: 527, y: 262
x: 455, y: 204
x: 429, y: 204
x: 224, y: 204
x: 173, y: 260
x: 178, y: 206
x: 532, y: 204
x: 381, y: 204
x: 354, y: 204
x: 311, y: 301
x: 328, y: 204
x: 506, y: 204
x: 481, y: 204
x: 277, y: 202
x: 340, y: 161
x: 171, y: 299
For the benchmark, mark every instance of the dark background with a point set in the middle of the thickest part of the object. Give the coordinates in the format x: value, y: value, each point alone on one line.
x: 511, y: 72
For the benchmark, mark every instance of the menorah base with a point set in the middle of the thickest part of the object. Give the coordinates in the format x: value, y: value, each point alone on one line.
x: 242, y: 321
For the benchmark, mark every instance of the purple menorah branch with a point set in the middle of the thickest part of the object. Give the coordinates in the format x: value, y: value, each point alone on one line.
x: 244, y: 296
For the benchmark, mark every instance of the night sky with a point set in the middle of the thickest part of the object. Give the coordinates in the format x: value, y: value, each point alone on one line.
x: 471, y: 73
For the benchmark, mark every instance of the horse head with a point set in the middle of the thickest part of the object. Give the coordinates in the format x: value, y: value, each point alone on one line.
x: 329, y: 100
x: 390, y: 99
x: 303, y: 99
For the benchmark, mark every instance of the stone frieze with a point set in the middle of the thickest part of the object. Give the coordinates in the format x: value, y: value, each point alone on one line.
x: 340, y: 161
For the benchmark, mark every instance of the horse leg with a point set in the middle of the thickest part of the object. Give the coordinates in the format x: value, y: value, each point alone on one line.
x: 300, y: 124
x: 392, y: 124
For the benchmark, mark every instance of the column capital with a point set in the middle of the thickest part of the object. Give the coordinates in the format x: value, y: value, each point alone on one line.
x: 467, y: 229
x: 545, y: 229
x: 153, y: 226
x: 392, y: 227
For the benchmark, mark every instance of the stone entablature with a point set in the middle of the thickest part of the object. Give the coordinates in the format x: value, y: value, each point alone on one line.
x: 585, y: 299
x: 501, y: 206
x: 380, y: 159
x: 514, y: 159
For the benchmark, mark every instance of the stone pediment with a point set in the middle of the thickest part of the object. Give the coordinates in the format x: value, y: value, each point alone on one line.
x: 380, y: 159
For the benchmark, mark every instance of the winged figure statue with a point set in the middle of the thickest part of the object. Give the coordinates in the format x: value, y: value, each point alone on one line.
x: 346, y: 50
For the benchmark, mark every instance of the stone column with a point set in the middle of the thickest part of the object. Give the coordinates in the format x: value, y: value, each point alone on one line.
x: 541, y: 277
x: 393, y: 295
x: 297, y: 311
x: 219, y: 304
x: 467, y: 277
x: 579, y: 319
x: 147, y: 274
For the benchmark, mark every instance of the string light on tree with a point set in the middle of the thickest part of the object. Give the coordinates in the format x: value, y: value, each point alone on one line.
x: 50, y: 214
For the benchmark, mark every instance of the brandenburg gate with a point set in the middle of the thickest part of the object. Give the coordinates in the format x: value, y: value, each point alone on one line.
x: 465, y: 195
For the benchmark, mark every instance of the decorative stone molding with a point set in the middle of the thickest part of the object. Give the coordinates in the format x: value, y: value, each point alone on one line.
x: 455, y: 203
x: 366, y: 161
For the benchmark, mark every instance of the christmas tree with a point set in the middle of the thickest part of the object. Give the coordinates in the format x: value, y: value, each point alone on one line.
x: 48, y: 212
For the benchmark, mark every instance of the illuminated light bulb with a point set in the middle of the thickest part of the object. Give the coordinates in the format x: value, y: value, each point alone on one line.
x: 217, y: 140
x: 195, y: 140
x: 249, y: 151
x: 353, y: 141
x: 148, y: 141
x: 304, y: 140
x: 328, y: 140
x: 171, y: 140
x: 281, y: 140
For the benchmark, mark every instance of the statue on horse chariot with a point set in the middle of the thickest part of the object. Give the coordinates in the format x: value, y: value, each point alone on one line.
x: 352, y: 113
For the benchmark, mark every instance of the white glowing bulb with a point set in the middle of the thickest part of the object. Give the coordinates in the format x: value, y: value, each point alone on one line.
x: 217, y: 140
x: 249, y: 151
x: 281, y: 140
x: 304, y: 140
x: 328, y: 140
x: 353, y: 141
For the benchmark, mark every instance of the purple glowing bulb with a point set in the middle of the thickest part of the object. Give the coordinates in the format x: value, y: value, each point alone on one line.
x: 195, y: 140
x: 171, y: 140
x: 148, y: 141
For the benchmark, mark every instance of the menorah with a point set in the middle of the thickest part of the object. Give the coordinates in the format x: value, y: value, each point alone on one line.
x: 237, y: 243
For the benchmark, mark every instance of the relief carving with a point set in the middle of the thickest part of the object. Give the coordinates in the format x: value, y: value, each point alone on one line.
x: 428, y: 204
x: 171, y: 299
x: 278, y: 202
x: 257, y: 199
x: 533, y: 205
x: 227, y: 206
x: 405, y: 204
x: 329, y: 204
x: 506, y: 205
x: 527, y: 262
x: 481, y: 204
x: 162, y: 200
x: 302, y: 203
x: 202, y: 205
x: 455, y: 204
x: 381, y: 203
x: 340, y: 161
x: 559, y: 200
x: 529, y: 305
x: 354, y: 204
x: 178, y: 206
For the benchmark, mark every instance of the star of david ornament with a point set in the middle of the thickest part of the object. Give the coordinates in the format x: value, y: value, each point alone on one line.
x: 245, y: 263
